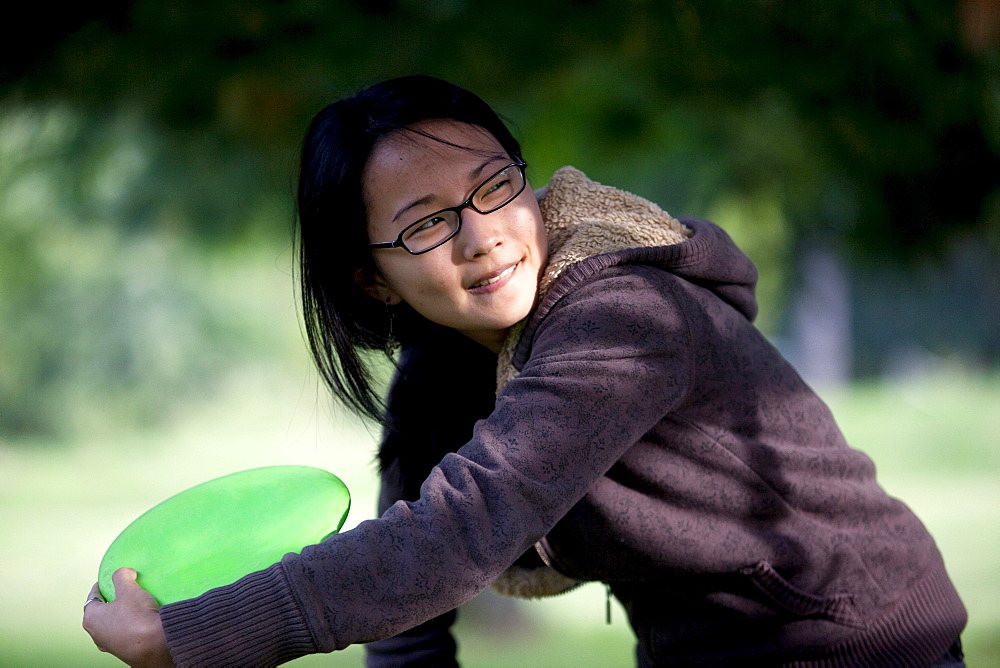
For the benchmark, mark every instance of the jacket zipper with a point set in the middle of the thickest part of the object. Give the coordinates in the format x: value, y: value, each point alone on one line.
x: 607, y: 604
x: 543, y: 554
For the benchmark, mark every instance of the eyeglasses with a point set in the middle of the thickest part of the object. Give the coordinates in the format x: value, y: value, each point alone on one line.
x: 431, y: 231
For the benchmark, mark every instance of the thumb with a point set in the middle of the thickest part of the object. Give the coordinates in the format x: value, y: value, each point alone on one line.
x: 127, y: 588
x: 123, y: 575
x: 123, y: 579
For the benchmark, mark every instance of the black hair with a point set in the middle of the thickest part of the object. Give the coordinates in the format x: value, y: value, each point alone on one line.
x: 341, y: 321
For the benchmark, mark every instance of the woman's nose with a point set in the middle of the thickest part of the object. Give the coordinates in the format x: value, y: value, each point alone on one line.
x: 480, y: 233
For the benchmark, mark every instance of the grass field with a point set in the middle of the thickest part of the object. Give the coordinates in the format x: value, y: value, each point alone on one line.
x: 935, y: 440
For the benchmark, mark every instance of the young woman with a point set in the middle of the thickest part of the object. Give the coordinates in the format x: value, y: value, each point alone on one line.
x: 580, y: 396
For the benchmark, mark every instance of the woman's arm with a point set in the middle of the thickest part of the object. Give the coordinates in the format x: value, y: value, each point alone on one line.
x: 427, y: 644
x: 610, y: 360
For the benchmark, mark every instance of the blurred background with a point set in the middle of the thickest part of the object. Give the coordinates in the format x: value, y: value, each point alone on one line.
x: 149, y: 334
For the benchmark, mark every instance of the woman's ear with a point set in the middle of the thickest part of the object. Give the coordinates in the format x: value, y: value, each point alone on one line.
x: 373, y: 285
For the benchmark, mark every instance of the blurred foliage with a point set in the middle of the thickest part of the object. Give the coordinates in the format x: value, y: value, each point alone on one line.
x: 140, y: 140
x: 892, y: 106
x: 106, y: 305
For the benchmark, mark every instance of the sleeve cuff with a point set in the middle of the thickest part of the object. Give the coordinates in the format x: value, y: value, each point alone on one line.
x: 254, y: 621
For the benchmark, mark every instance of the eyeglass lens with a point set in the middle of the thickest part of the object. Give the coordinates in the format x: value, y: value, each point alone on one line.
x: 499, y: 190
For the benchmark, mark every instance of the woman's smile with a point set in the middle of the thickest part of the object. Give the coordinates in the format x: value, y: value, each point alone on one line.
x: 494, y: 280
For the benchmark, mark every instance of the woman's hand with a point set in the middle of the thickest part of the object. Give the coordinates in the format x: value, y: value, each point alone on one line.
x: 128, y: 627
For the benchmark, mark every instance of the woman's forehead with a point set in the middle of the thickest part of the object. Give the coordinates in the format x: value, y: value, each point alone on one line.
x: 424, y: 165
x: 433, y: 141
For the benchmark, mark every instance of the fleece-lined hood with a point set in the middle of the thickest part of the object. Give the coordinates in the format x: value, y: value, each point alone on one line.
x: 592, y: 226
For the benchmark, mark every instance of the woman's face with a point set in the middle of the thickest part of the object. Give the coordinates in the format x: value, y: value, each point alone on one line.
x: 485, y: 278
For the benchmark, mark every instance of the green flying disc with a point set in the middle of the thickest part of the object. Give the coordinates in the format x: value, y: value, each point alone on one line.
x: 215, y: 533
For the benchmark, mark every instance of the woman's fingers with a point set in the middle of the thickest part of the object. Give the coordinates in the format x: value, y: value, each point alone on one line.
x: 90, y: 615
x: 94, y: 597
x: 128, y: 627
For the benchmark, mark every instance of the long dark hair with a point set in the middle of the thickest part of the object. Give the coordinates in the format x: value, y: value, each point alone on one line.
x: 341, y: 321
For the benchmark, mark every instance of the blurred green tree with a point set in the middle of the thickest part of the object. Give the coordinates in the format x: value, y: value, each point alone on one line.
x: 867, y: 128
x: 895, y: 103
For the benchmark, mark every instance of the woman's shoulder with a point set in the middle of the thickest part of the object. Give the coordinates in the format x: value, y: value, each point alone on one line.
x: 609, y: 282
x: 624, y: 302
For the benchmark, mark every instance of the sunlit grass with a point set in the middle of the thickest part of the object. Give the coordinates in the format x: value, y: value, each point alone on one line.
x: 934, y: 440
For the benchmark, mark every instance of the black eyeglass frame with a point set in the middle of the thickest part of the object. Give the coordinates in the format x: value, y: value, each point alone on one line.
x: 467, y: 204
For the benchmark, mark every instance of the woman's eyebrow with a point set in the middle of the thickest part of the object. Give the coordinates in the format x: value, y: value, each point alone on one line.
x: 417, y: 202
x: 475, y: 173
x: 426, y: 199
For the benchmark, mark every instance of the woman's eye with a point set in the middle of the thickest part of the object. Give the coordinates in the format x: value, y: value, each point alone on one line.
x: 427, y: 224
x: 496, y: 186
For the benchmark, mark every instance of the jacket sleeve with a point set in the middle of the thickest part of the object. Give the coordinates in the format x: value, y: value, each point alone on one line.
x: 609, y: 361
x: 429, y: 644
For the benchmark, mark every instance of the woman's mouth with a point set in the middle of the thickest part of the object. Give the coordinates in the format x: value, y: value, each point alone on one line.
x: 493, y: 282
